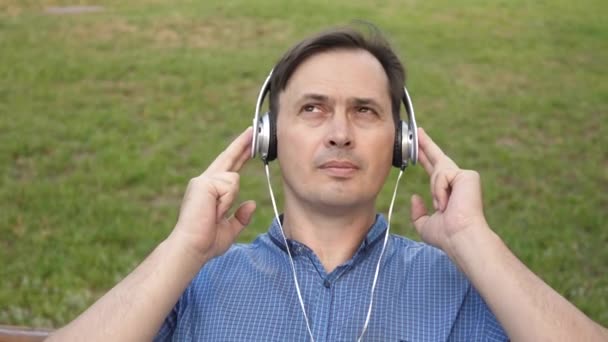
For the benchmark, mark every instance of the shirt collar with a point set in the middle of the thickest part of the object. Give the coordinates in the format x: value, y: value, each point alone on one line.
x: 375, y: 232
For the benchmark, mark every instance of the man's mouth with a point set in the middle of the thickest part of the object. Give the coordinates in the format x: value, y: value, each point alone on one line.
x: 339, y: 168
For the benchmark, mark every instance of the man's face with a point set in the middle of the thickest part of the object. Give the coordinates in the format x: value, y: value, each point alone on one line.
x: 335, y: 130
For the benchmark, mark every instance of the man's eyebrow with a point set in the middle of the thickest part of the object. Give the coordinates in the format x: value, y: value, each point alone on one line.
x: 314, y: 97
x: 354, y: 101
x: 363, y: 101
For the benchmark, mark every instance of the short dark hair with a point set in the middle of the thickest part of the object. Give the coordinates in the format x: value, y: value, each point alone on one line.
x: 336, y: 39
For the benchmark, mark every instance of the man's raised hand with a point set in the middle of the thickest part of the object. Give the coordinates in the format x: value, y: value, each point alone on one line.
x: 456, y: 197
x: 203, y: 224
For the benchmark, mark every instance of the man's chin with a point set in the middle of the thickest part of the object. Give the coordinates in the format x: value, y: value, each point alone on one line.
x: 341, y: 202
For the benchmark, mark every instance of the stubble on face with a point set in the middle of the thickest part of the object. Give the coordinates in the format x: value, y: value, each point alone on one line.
x: 335, y: 130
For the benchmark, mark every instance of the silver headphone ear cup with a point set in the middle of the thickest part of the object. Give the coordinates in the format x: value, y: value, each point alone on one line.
x: 412, y: 139
x: 405, y: 144
x: 263, y: 137
x: 409, y: 138
x: 254, y: 137
x: 397, y: 149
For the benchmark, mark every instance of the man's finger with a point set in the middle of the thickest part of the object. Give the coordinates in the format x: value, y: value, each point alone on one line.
x: 226, y: 189
x: 426, y: 163
x: 230, y: 228
x: 432, y: 151
x: 432, y: 190
x: 232, y: 158
x: 442, y: 187
x: 225, y: 202
x: 245, y: 156
x: 418, y: 213
x: 428, y: 146
x: 242, y: 216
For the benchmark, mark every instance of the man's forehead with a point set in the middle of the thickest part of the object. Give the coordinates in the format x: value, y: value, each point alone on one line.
x: 345, y: 72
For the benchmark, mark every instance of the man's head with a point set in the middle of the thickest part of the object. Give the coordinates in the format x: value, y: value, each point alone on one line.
x: 335, y: 99
x: 340, y: 39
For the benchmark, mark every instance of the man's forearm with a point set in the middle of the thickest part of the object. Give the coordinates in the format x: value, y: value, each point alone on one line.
x: 136, y: 307
x: 528, y: 309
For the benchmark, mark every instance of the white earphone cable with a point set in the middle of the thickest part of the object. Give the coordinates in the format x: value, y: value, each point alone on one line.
x: 293, y: 267
x: 386, y: 235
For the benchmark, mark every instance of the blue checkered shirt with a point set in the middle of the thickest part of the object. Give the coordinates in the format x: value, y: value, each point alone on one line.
x: 248, y: 294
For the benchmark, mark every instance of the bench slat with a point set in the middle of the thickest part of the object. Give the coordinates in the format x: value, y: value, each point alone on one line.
x: 10, y: 333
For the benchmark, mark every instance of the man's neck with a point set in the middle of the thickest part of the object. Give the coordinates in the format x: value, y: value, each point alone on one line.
x: 334, y: 235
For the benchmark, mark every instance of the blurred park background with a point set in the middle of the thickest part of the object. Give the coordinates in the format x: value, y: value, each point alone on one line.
x: 107, y: 111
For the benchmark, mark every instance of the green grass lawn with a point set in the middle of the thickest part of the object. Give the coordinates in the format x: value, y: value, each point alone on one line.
x: 105, y: 116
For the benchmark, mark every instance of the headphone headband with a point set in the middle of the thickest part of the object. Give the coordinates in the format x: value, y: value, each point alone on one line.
x: 257, y: 147
x: 412, y: 137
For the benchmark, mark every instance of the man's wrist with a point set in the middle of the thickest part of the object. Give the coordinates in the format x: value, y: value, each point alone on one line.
x: 468, y: 245
x: 180, y: 243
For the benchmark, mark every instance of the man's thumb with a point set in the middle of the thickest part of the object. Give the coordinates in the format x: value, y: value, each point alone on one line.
x: 418, y: 212
x: 243, y: 214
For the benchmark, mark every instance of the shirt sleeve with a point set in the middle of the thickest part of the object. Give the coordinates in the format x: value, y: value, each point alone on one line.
x: 165, y: 333
x: 475, y: 321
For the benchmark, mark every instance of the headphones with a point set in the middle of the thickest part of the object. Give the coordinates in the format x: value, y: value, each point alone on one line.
x: 264, y: 144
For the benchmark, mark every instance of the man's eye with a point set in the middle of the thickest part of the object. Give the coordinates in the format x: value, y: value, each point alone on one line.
x: 366, y: 110
x: 310, y: 108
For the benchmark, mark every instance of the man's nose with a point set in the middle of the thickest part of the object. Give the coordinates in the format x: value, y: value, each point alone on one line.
x: 340, y: 132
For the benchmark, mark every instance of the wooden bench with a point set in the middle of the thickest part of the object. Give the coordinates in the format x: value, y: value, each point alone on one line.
x: 10, y: 333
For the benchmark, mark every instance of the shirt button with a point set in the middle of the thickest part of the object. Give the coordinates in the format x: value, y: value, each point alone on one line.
x: 326, y: 283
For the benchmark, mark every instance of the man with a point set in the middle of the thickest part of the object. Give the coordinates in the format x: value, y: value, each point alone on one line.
x: 335, y: 101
